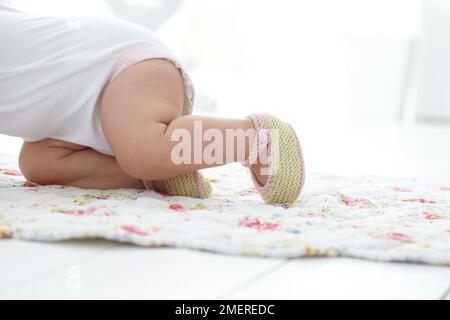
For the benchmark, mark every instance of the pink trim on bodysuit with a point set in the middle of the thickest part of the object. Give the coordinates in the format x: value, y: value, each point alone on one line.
x: 134, y: 55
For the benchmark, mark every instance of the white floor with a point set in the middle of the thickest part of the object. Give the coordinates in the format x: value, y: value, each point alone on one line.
x: 98, y: 269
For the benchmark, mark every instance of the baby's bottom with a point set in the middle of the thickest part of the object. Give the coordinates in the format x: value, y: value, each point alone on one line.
x: 140, y: 109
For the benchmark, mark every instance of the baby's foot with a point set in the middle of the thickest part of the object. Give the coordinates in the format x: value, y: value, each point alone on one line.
x: 160, y: 186
x: 259, y: 171
x: 280, y: 180
x: 193, y: 185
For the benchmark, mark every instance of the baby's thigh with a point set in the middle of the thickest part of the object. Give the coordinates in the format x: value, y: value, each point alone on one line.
x: 137, y: 106
x: 150, y: 91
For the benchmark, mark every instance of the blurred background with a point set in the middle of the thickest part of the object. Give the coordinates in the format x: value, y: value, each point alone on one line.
x: 365, y: 82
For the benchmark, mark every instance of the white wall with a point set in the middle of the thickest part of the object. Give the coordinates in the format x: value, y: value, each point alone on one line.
x: 317, y: 61
x: 434, y: 85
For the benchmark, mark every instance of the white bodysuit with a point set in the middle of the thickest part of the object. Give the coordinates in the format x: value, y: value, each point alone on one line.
x: 54, y: 69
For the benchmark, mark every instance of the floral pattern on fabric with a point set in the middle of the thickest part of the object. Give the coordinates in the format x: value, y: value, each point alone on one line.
x: 365, y: 217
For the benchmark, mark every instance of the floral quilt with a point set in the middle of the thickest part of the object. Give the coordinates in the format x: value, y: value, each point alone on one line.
x: 362, y: 217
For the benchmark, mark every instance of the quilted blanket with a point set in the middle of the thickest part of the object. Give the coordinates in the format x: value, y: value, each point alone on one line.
x: 362, y: 217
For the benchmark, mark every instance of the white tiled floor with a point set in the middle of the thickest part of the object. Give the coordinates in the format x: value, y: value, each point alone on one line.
x: 98, y: 269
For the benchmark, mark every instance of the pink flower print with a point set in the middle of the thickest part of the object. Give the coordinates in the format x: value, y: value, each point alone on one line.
x: 398, y: 236
x: 445, y: 188
x: 351, y: 202
x: 317, y: 215
x: 419, y: 200
x: 91, y: 210
x: 257, y: 224
x: 431, y: 216
x: 134, y: 230
x: 356, y: 202
x: 177, y: 207
x: 11, y: 172
x: 401, y: 189
x: 78, y: 213
x: 29, y: 185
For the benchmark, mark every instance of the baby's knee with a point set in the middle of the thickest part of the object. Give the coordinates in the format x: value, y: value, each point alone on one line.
x: 147, y: 163
x: 39, y: 164
x: 33, y: 167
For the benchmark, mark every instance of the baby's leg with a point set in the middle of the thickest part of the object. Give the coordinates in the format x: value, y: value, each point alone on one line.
x: 140, y: 110
x: 53, y: 161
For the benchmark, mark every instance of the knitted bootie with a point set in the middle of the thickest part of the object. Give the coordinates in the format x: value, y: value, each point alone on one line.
x: 286, y: 172
x: 193, y: 185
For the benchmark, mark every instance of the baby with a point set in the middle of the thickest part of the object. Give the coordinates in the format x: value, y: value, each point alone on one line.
x: 102, y: 103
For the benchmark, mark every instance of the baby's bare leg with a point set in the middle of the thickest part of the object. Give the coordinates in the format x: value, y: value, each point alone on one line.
x: 53, y: 161
x: 141, y: 109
